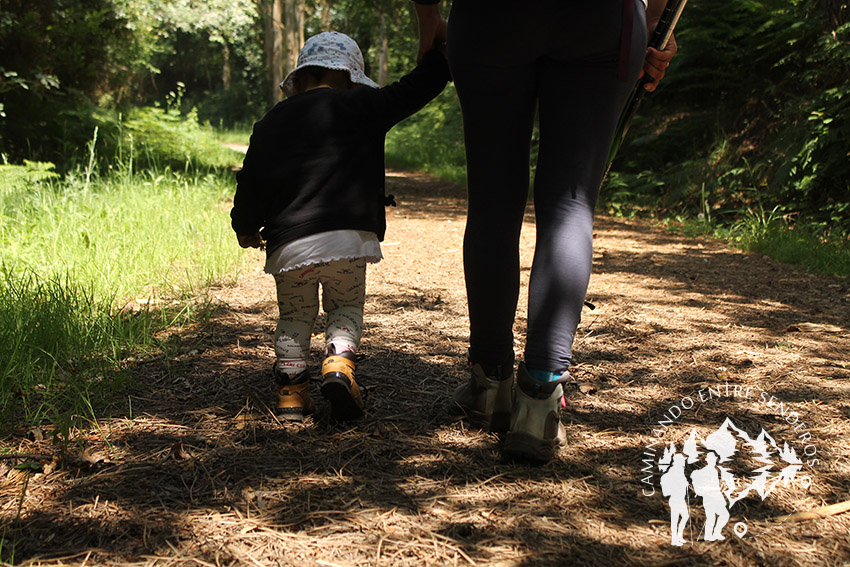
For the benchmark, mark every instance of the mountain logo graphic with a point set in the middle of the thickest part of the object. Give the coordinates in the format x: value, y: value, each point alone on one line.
x: 703, y: 468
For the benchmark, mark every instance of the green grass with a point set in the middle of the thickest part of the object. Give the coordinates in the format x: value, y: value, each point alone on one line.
x: 76, y: 250
x: 241, y: 135
x: 431, y: 140
x: 148, y: 233
x: 58, y: 342
x: 807, y: 246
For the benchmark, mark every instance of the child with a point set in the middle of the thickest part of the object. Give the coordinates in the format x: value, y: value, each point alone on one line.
x: 313, y: 181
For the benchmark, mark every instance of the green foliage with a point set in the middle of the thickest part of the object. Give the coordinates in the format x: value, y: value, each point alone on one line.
x: 154, y: 138
x: 214, y: 50
x: 59, y: 43
x: 56, y: 338
x: 431, y: 140
x: 748, y: 117
x: 814, y: 247
x: 61, y: 58
x: 31, y: 172
x: 94, y: 265
x: 57, y: 56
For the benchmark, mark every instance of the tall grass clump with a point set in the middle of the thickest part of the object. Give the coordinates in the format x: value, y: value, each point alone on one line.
x: 150, y: 233
x: 56, y: 337
x: 77, y: 250
x: 814, y: 247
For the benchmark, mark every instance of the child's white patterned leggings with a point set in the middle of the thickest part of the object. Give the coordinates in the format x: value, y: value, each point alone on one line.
x: 343, y: 296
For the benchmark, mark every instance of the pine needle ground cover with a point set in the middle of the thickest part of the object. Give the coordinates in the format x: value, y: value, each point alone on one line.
x: 200, y: 472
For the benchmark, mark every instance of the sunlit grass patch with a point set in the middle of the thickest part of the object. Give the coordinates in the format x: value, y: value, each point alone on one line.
x: 802, y: 245
x: 76, y: 251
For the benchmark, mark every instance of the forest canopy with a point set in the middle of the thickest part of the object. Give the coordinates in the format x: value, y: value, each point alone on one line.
x: 748, y: 121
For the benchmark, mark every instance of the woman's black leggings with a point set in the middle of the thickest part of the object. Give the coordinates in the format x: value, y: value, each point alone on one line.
x: 511, y: 60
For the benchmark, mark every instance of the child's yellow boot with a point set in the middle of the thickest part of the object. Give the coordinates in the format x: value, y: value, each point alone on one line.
x: 293, y: 396
x: 339, y: 387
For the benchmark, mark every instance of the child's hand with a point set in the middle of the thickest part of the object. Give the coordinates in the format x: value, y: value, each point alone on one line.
x: 250, y: 241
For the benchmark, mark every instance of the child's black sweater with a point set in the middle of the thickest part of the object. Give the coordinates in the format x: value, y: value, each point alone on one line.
x: 316, y: 160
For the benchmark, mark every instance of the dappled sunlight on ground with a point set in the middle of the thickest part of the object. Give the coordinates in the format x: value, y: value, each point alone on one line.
x: 201, y: 472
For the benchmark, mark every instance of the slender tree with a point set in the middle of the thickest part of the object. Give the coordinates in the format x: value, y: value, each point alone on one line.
x: 836, y: 12
x: 384, y: 52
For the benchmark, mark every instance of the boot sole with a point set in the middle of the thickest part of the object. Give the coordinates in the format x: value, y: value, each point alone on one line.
x: 522, y: 446
x: 290, y: 415
x: 336, y: 389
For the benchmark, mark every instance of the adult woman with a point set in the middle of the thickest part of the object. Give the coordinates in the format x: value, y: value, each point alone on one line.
x: 572, y: 64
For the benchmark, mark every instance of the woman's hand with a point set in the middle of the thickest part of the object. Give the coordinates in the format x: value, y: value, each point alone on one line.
x: 656, y: 63
x: 432, y: 29
x: 250, y: 241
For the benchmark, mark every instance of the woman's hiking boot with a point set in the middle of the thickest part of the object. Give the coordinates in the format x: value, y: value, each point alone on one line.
x: 486, y: 397
x: 536, y: 432
x: 293, y: 396
x: 339, y: 387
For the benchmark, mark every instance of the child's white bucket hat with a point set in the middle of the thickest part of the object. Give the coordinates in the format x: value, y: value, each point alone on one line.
x: 331, y: 50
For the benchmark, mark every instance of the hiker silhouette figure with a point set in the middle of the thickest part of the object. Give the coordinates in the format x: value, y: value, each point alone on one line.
x: 707, y: 484
x: 674, y: 485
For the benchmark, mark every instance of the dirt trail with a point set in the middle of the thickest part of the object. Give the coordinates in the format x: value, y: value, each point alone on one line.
x: 201, y: 474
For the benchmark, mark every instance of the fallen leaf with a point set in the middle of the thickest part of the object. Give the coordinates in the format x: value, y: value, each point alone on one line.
x: 51, y: 466
x: 179, y: 452
x: 587, y: 388
x: 37, y: 434
x: 91, y: 458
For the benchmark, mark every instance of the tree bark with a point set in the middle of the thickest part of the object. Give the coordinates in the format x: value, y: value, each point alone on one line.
x: 272, y: 13
x: 836, y: 12
x: 226, y: 73
x: 384, y: 55
x: 294, y: 33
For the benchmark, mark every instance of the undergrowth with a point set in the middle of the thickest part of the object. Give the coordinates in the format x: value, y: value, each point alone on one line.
x: 99, y: 261
x: 431, y: 140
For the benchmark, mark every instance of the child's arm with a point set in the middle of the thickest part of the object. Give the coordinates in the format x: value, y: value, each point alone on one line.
x: 247, y: 213
x: 393, y: 103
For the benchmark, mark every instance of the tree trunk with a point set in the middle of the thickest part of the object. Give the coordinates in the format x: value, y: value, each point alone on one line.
x: 272, y: 13
x: 384, y: 55
x: 294, y: 32
x: 225, y: 68
x: 325, y: 10
x: 836, y: 12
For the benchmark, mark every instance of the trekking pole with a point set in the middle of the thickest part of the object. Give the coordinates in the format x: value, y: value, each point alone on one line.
x: 663, y: 31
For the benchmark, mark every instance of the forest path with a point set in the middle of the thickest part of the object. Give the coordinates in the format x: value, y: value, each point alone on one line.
x: 202, y: 474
